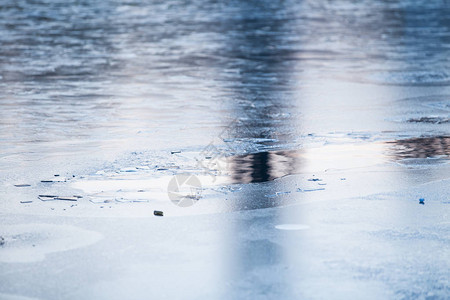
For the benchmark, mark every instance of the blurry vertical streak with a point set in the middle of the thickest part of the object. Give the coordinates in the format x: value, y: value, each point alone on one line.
x: 259, y: 78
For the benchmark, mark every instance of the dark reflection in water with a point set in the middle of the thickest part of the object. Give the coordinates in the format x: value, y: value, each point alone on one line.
x: 270, y: 165
x: 263, y: 166
x: 431, y: 120
x: 426, y: 147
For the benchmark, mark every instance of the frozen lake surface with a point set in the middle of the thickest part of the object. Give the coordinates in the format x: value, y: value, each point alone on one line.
x: 317, y: 132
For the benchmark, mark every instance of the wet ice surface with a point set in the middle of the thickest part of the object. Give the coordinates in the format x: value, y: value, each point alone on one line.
x: 314, y: 127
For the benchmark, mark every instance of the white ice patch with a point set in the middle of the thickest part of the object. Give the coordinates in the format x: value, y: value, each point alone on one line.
x: 15, y: 297
x: 32, y: 242
x: 292, y: 227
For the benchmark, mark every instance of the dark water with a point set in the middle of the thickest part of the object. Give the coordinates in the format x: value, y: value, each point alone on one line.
x: 81, y: 81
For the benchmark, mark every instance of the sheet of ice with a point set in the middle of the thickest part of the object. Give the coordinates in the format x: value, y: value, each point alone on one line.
x: 291, y: 226
x: 32, y: 242
x: 15, y: 297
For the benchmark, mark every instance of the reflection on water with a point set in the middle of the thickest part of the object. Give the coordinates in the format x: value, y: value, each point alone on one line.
x: 426, y: 147
x: 263, y: 166
x: 270, y: 165
x: 432, y: 120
